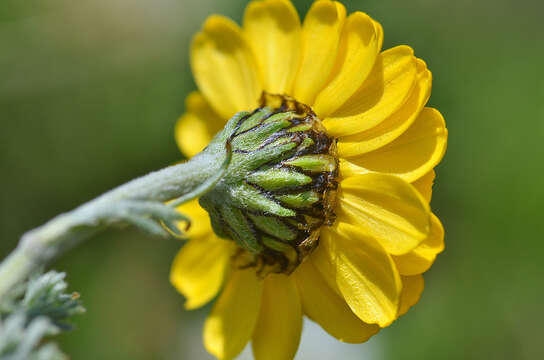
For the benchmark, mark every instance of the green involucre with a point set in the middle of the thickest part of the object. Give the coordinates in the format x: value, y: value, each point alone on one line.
x: 272, y: 197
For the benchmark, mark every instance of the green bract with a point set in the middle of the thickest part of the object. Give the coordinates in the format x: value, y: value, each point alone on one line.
x: 279, y: 186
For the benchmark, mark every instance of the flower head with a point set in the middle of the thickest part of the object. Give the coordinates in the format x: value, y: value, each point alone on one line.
x: 324, y: 210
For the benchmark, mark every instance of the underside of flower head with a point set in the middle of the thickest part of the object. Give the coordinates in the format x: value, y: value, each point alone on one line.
x: 279, y: 188
x: 327, y: 195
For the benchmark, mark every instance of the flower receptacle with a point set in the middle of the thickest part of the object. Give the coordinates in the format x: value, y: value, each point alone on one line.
x: 278, y: 187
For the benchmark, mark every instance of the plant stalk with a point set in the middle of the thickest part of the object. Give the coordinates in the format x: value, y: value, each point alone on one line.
x: 141, y: 202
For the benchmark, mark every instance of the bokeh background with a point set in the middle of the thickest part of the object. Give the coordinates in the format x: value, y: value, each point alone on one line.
x: 89, y: 94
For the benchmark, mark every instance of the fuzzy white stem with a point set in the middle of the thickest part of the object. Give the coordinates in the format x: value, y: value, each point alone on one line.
x: 140, y: 202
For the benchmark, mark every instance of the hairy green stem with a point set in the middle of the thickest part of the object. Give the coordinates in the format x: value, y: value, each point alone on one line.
x: 140, y: 202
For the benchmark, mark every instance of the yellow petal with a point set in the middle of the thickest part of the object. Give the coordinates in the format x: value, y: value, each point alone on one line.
x: 412, y: 287
x: 422, y: 257
x: 385, y: 208
x: 323, y: 305
x: 363, y: 271
x: 224, y: 67
x: 199, y: 268
x: 231, y: 323
x: 200, y: 220
x: 197, y: 126
x: 384, y: 91
x: 278, y: 329
x: 425, y: 185
x: 357, y: 54
x: 379, y: 32
x: 320, y: 37
x: 411, y: 155
x: 272, y: 28
x: 392, y: 127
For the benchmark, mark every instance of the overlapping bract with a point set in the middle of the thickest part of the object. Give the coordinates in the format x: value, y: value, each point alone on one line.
x: 278, y: 189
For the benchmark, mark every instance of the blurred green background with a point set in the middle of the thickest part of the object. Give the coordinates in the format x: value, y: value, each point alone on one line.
x: 89, y: 94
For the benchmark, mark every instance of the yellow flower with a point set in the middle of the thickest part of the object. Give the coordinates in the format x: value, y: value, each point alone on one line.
x: 366, y: 270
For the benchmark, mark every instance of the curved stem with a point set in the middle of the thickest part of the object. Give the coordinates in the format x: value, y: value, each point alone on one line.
x: 140, y: 202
